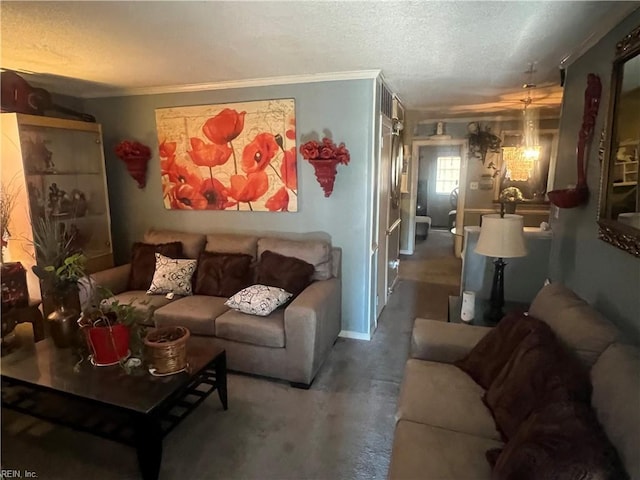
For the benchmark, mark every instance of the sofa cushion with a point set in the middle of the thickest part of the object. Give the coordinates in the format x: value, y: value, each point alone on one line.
x: 616, y: 399
x: 540, y: 371
x: 485, y: 361
x: 445, y: 342
x: 561, y: 441
x: 441, y: 395
x: 232, y: 243
x: 222, y: 274
x: 578, y: 325
x: 258, y: 300
x: 172, y: 275
x: 315, y: 252
x: 198, y: 313
x: 143, y: 262
x: 192, y: 243
x: 265, y: 331
x: 424, y: 452
x: 142, y: 302
x: 289, y: 273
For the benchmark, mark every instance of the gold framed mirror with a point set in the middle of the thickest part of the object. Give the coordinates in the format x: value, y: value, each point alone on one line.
x: 619, y: 209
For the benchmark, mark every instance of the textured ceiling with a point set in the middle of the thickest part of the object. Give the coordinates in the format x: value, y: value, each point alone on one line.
x: 438, y: 56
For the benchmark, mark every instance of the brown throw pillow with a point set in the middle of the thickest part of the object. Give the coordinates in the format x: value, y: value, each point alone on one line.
x: 485, y: 361
x: 222, y: 274
x: 539, y: 372
x: 143, y: 262
x: 288, y: 273
x: 561, y: 441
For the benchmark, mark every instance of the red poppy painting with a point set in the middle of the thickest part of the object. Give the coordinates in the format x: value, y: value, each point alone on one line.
x: 237, y: 156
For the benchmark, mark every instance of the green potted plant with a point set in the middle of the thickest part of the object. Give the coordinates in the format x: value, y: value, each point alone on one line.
x: 60, y: 263
x: 113, y: 330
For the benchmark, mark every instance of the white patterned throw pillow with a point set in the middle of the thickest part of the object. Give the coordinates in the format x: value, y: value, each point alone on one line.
x: 172, y: 276
x: 258, y: 300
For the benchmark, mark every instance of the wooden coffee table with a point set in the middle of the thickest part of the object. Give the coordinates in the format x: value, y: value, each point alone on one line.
x: 133, y: 408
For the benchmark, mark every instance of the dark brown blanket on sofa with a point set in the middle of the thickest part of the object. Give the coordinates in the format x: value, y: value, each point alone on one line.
x: 493, y: 351
x: 539, y: 372
x: 561, y: 441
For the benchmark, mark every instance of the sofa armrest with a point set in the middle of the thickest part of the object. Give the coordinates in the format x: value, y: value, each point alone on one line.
x: 444, y: 342
x: 312, y: 323
x: 115, y: 279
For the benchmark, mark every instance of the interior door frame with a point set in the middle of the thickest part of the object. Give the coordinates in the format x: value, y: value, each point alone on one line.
x: 413, y: 189
x: 384, y: 202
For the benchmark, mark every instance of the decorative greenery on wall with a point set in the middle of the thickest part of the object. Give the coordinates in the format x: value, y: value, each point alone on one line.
x: 481, y: 142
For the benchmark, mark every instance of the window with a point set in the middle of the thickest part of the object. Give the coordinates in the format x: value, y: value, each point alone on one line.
x: 447, y: 174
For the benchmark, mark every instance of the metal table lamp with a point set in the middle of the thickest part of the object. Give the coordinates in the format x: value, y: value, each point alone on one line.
x: 500, y: 237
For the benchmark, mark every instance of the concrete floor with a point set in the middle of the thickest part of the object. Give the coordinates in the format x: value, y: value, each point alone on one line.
x: 341, y: 428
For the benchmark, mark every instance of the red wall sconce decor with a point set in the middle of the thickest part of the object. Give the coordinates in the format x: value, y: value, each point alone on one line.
x: 136, y: 156
x: 325, y: 157
x: 579, y: 195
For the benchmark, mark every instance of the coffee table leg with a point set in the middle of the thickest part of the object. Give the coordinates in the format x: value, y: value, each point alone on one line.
x: 149, y: 446
x: 221, y: 378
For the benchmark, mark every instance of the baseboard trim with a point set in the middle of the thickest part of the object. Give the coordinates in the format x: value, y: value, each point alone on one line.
x: 355, y: 335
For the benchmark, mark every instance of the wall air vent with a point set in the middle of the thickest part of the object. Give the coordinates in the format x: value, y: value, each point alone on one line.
x: 386, y: 101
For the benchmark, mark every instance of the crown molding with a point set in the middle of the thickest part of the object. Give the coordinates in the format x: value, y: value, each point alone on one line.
x: 231, y: 84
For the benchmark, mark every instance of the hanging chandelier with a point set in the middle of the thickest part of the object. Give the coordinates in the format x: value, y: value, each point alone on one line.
x: 520, y: 161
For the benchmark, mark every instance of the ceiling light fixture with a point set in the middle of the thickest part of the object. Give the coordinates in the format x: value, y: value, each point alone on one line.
x: 520, y: 161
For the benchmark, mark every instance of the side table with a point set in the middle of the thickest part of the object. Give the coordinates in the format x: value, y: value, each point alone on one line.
x: 31, y: 313
x: 481, y: 306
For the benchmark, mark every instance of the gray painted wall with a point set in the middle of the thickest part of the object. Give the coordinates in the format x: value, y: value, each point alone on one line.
x: 603, y: 275
x: 523, y: 276
x: 344, y: 109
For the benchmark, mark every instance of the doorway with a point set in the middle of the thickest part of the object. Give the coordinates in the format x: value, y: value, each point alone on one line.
x: 438, y: 179
x: 438, y: 167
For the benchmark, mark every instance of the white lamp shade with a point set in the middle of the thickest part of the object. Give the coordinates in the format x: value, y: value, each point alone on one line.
x: 501, y: 237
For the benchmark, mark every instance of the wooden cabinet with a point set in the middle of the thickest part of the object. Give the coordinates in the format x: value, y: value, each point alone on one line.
x: 57, y: 168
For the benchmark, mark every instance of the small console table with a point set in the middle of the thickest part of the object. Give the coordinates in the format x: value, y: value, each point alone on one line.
x: 31, y: 314
x: 481, y: 306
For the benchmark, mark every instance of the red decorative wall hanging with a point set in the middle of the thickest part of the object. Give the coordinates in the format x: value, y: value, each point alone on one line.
x: 325, y: 157
x: 573, y: 197
x: 325, y: 173
x: 136, y: 156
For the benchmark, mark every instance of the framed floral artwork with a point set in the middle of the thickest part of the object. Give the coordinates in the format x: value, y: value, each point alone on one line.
x: 235, y: 156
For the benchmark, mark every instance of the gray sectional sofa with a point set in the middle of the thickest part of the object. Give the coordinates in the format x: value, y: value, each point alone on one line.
x: 290, y: 344
x: 444, y: 429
